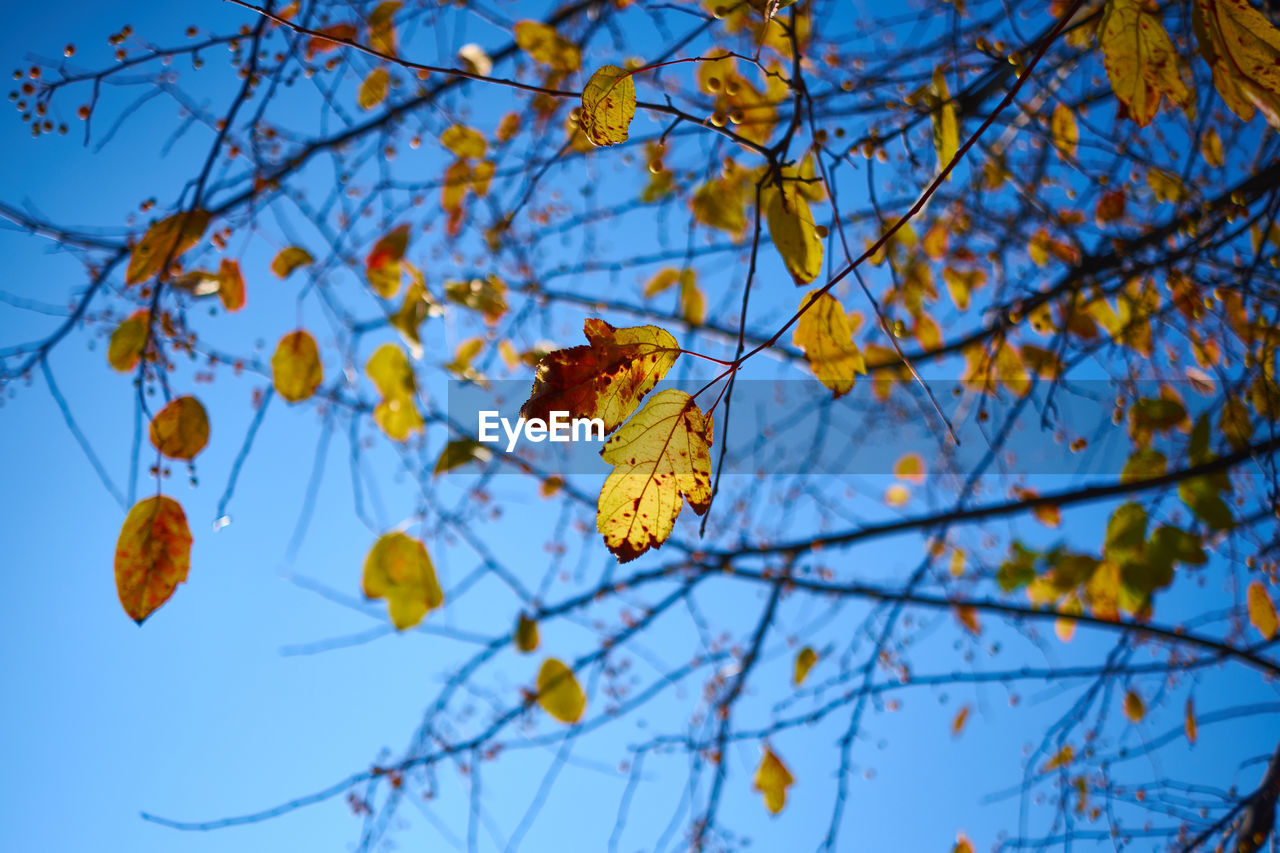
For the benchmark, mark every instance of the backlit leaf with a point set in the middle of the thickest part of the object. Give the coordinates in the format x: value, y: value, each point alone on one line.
x: 946, y: 124
x: 153, y: 555
x: 608, y: 105
x: 559, y: 693
x: 605, y: 379
x: 526, y: 634
x: 545, y: 45
x: 825, y: 333
x: 398, y: 569
x: 374, y: 88
x: 382, y: 264
x: 693, y: 304
x: 662, y: 453
x: 391, y: 373
x: 1211, y: 148
x: 910, y: 467
x: 1262, y: 611
x: 475, y: 60
x: 1141, y: 62
x: 329, y: 39
x: 127, y: 342
x: 1134, y: 708
x: 165, y: 242
x: 461, y: 452
x: 664, y: 280
x: 415, y: 309
x: 231, y: 285
x: 1066, y: 134
x: 487, y: 295
x: 181, y: 429
x: 793, y: 231
x: 1242, y: 47
x: 464, y: 142
x: 382, y: 33
x: 805, y: 659
x: 295, y: 367
x: 772, y: 779
x: 289, y: 259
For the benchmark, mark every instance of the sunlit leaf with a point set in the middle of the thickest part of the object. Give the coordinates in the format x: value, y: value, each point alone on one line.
x: 296, y: 371
x: 608, y: 105
x: 391, y: 373
x: 526, y: 634
x: 164, y: 243
x: 487, y: 295
x: 963, y: 845
x: 793, y: 231
x: 1061, y: 758
x: 772, y: 779
x: 383, y: 263
x: 693, y: 304
x: 910, y: 467
x: 1211, y: 148
x: 181, y: 429
x: 663, y: 280
x: 1242, y: 47
x: 946, y: 123
x: 1141, y: 62
x: 289, y: 259
x: 475, y: 60
x: 1134, y: 708
x: 374, y: 88
x: 1066, y: 134
x: 461, y: 452
x: 329, y: 38
x: 825, y: 333
x: 399, y: 570
x: 153, y: 555
x: 605, y: 379
x: 382, y: 33
x: 128, y: 341
x: 661, y: 454
x: 805, y: 659
x: 231, y: 285
x: 1262, y: 611
x: 897, y: 495
x: 545, y: 45
x: 559, y: 693
x: 465, y: 142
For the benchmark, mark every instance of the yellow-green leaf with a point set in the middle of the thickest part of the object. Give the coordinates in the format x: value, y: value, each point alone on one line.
x: 1211, y: 148
x: 465, y: 142
x: 164, y: 243
x: 382, y: 264
x: 693, y: 305
x: 373, y: 90
x: 461, y: 452
x: 399, y: 570
x: 1066, y: 133
x: 397, y: 414
x: 181, y: 429
x: 608, y: 105
x: 153, y: 555
x: 1242, y: 47
x: 946, y: 124
x: 664, y: 280
x: 793, y: 231
x: 382, y: 34
x: 526, y: 634
x: 662, y: 453
x: 295, y: 367
x: 1262, y: 612
x: 545, y: 45
x: 772, y: 780
x: 1061, y: 758
x: 128, y: 341
x: 289, y: 259
x: 487, y: 295
x: 825, y: 334
x: 413, y: 311
x: 605, y: 379
x: 559, y: 693
x: 1141, y: 62
x: 805, y: 659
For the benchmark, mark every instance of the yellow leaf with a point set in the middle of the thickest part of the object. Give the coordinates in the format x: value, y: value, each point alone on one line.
x: 897, y: 495
x: 382, y: 264
x: 463, y: 356
x: 1242, y: 47
x: 805, y: 659
x: 399, y: 570
x: 963, y: 845
x: 946, y: 125
x: 128, y: 341
x: 464, y: 142
x: 153, y: 555
x: 660, y: 454
x: 181, y: 429
x: 289, y: 259
x: 545, y: 45
x: 1189, y: 721
x: 664, y: 280
x: 825, y: 334
x: 1211, y: 148
x: 957, y: 723
x: 773, y: 779
x: 719, y: 203
x: 461, y: 452
x: 526, y: 634
x: 231, y: 285
x: 957, y: 563
x: 382, y: 34
x: 164, y: 243
x: 793, y: 231
x: 962, y: 283
x: 487, y: 295
x: 1062, y: 758
x: 397, y: 414
x: 413, y: 311
x: 910, y: 467
x: 373, y: 90
x: 1134, y: 708
x: 1141, y: 62
x: 559, y: 693
x: 481, y: 175
x: 1165, y: 185
x: 605, y: 379
x: 295, y: 368
x: 693, y: 305
x: 608, y: 105
x: 1262, y: 612
x: 1066, y: 134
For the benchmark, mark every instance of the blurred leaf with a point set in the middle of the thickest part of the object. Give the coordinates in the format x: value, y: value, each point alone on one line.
x: 773, y: 779
x: 399, y: 570
x: 165, y: 242
x: 374, y: 88
x: 127, y: 342
x: 1262, y: 612
x: 289, y: 259
x: 295, y: 367
x: 526, y: 635
x: 805, y: 659
x: 181, y: 429
x: 461, y: 452
x: 559, y: 693
x: 231, y: 285
x: 825, y: 334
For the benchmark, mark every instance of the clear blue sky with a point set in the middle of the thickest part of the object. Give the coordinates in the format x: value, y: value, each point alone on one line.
x: 220, y: 704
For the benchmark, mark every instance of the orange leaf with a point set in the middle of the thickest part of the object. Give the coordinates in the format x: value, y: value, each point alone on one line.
x: 1134, y: 708
x: 128, y: 341
x: 164, y: 243
x: 957, y: 723
x: 153, y: 555
x: 181, y: 429
x: 328, y: 39
x: 230, y: 285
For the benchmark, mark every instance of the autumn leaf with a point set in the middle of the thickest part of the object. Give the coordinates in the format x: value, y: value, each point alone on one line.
x: 772, y: 779
x: 693, y: 304
x: 963, y: 844
x: 559, y: 693
x: 825, y: 333
x: 374, y: 88
x: 958, y: 722
x: 910, y: 467
x: 1066, y: 134
x: 153, y: 555
x: 608, y: 105
x: 1134, y: 708
x: 962, y: 283
x: 382, y: 33
x: 662, y: 453
x: 328, y: 39
x: 231, y: 285
x: 967, y: 615
x: 1262, y: 612
x: 793, y: 231
x: 382, y: 264
x: 1141, y: 62
x: 461, y: 452
x: 1189, y: 721
x: 487, y: 295
x: 181, y: 429
x: 125, y: 348
x: 1211, y: 148
x: 946, y: 124
x: 1110, y: 208
x: 805, y: 659
x: 465, y: 142
x: 296, y: 372
x: 662, y: 281
x: 289, y: 259
x: 546, y: 46
x: 605, y: 379
x: 415, y: 309
x: 1242, y: 48
x: 398, y: 569
x: 164, y: 243
x: 526, y: 634
x: 391, y: 373
x: 1061, y: 758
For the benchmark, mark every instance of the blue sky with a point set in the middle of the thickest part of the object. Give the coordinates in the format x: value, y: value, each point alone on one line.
x: 228, y: 700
